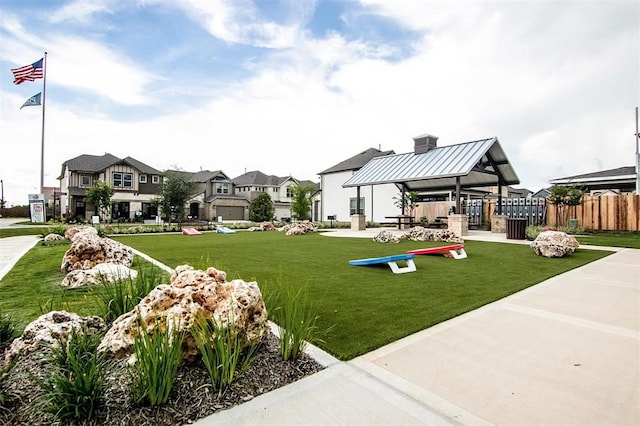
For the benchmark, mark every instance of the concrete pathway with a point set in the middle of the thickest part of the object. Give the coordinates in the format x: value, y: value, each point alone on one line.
x: 563, y: 352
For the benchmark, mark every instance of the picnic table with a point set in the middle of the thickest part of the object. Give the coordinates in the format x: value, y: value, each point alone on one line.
x: 402, y: 219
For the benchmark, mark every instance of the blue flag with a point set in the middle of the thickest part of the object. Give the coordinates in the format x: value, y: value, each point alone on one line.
x: 33, y: 101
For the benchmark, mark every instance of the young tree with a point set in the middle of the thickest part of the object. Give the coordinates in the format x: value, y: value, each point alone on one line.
x: 410, y: 201
x: 562, y: 196
x: 100, y: 196
x: 262, y: 209
x: 177, y: 189
x: 301, y: 205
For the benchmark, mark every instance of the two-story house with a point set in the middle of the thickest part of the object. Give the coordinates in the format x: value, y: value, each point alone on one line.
x: 135, y: 186
x: 280, y: 189
x: 340, y: 203
x: 215, y: 198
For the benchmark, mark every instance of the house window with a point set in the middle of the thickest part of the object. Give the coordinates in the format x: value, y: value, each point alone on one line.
x: 289, y: 192
x: 352, y: 206
x: 274, y: 189
x: 122, y: 180
x: 222, y: 188
x: 85, y: 180
x: 155, y: 179
x: 143, y: 178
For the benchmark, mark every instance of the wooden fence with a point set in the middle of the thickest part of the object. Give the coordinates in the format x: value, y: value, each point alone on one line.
x: 600, y: 213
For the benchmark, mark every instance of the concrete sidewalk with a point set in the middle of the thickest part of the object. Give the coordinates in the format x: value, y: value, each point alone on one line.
x: 563, y: 352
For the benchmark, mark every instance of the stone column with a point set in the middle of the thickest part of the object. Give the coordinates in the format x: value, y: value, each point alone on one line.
x: 358, y: 222
x: 499, y: 224
x: 459, y: 223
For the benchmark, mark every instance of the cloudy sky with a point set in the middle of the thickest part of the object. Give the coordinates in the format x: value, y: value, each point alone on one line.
x: 293, y: 87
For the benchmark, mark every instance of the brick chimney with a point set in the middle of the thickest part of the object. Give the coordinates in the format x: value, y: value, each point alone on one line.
x: 424, y: 143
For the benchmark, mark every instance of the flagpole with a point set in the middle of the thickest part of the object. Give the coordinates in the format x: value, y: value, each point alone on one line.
x: 44, y: 96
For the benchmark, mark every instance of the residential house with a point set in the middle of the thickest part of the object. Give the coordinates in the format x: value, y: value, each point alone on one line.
x: 376, y: 201
x: 280, y: 189
x: 620, y: 181
x: 136, y: 185
x: 215, y: 198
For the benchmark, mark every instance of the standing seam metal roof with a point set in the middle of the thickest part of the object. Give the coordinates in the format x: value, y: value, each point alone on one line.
x: 438, y: 168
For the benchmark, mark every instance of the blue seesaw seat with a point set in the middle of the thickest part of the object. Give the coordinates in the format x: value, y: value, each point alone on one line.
x: 224, y: 230
x: 391, y: 261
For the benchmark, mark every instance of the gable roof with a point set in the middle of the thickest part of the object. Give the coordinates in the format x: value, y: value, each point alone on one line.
x: 477, y: 163
x: 258, y: 178
x: 611, y: 174
x: 97, y: 163
x: 357, y: 161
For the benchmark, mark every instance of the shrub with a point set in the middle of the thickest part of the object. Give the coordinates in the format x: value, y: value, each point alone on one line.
x: 72, y: 391
x: 119, y: 297
x: 531, y: 232
x: 56, y: 229
x: 7, y: 330
x: 225, y: 352
x: 4, y: 374
x: 296, y: 320
x: 157, y: 357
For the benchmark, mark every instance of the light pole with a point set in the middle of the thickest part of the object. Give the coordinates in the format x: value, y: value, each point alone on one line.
x: 1, y: 196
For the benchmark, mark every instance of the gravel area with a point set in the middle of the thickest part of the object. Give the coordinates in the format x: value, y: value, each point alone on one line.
x: 192, y: 396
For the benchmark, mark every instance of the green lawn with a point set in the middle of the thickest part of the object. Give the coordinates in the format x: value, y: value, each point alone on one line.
x: 367, y: 307
x: 611, y: 239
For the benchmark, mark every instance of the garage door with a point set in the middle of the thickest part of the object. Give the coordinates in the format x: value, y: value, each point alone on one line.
x: 231, y: 213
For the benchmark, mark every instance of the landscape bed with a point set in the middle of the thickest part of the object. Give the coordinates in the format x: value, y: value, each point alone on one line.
x: 362, y: 308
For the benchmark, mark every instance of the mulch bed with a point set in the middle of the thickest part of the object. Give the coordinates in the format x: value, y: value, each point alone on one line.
x: 192, y: 396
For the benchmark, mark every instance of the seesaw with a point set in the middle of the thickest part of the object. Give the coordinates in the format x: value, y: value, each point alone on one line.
x: 389, y: 260
x: 456, y: 251
x: 224, y: 230
x: 190, y: 231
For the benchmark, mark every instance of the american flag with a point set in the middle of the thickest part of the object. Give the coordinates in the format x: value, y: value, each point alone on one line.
x: 28, y: 72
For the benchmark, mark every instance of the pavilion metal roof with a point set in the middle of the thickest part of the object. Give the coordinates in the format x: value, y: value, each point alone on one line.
x: 477, y: 163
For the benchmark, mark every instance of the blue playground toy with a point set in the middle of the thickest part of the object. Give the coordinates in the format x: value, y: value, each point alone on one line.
x: 391, y: 261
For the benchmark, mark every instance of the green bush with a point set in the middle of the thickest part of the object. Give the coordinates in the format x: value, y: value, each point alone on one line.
x: 8, y: 330
x: 119, y: 297
x: 4, y: 374
x: 296, y: 320
x: 225, y: 351
x: 73, y: 390
x: 56, y: 229
x: 158, y: 355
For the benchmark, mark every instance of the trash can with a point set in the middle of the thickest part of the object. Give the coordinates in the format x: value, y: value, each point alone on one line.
x: 516, y: 227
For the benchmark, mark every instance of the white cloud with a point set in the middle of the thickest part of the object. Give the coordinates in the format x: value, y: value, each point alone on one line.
x: 239, y: 21
x: 556, y: 82
x: 86, y: 65
x: 82, y: 11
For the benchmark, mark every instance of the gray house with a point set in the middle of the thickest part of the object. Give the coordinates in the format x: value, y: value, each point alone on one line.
x: 215, y: 197
x: 621, y: 180
x: 135, y: 183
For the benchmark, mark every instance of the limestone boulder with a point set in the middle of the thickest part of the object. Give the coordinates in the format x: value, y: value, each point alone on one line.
x: 264, y: 226
x: 88, y: 249
x: 386, y: 237
x: 191, y: 293
x: 554, y: 244
x: 50, y: 238
x: 299, y: 228
x: 420, y: 233
x: 102, y: 273
x: 48, y: 328
x: 71, y: 232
